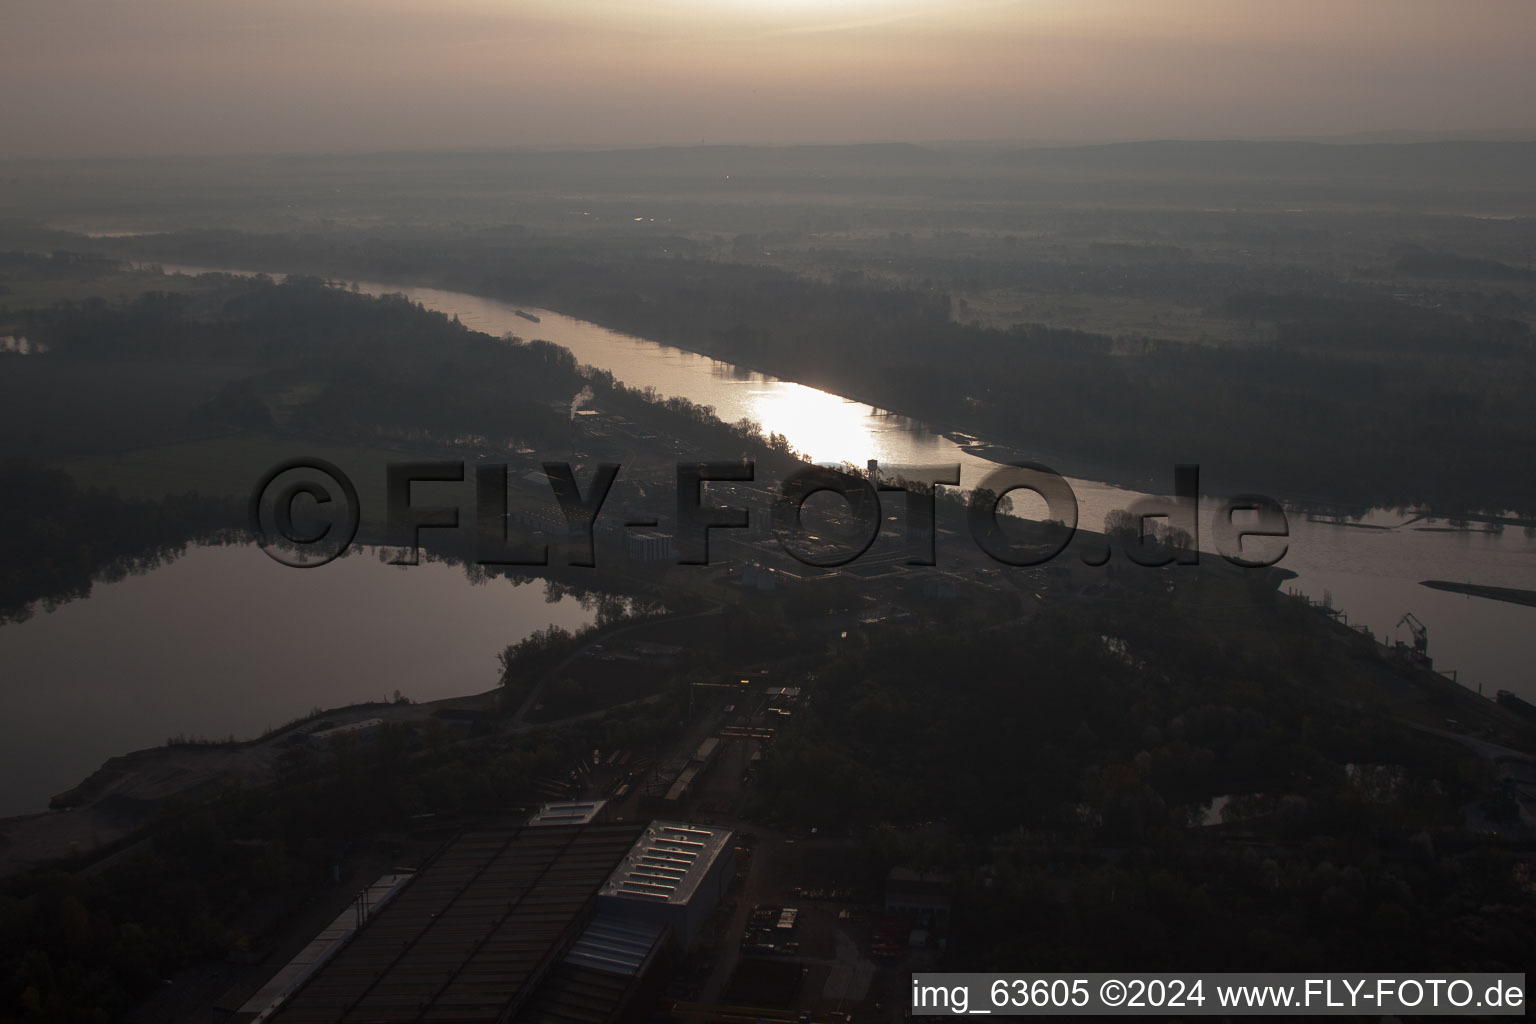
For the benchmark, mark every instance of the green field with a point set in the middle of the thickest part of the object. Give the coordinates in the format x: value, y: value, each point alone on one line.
x: 229, y: 467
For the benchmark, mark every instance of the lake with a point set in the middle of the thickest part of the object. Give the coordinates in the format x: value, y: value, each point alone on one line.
x: 226, y: 641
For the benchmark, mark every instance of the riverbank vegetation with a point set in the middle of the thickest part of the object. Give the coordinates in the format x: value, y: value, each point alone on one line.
x: 1139, y: 792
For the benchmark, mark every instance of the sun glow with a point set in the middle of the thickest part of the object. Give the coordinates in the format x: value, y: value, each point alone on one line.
x: 811, y: 15
x: 827, y: 6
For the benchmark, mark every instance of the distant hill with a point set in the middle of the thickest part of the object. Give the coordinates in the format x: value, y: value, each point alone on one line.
x: 668, y: 161
x: 1450, y: 265
x: 776, y: 159
x: 976, y: 171
x: 1456, y: 162
x: 1449, y: 163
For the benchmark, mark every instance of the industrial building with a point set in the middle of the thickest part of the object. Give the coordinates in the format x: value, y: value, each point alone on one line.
x: 564, y: 919
x: 675, y: 875
x: 482, y: 933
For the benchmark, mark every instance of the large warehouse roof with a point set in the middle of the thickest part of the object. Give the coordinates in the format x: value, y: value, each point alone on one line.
x: 473, y: 935
x: 667, y: 863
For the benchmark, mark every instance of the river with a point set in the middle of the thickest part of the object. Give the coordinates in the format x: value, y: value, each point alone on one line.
x: 1372, y: 575
x: 182, y: 650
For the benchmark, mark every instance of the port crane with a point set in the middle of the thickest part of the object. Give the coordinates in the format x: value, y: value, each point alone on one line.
x: 1420, y: 651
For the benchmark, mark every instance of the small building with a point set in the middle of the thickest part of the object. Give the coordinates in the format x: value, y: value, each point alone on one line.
x: 650, y: 546
x: 923, y: 895
x: 698, y: 766
x: 674, y: 875
x: 550, y: 521
x: 759, y: 577
x: 782, y: 696
x: 568, y: 812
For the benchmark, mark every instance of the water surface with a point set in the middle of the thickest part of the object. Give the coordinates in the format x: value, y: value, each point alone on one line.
x: 226, y: 641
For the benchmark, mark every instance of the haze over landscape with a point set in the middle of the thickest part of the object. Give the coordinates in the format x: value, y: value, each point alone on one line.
x: 158, y: 77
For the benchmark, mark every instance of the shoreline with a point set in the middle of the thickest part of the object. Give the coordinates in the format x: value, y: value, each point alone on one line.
x: 120, y: 797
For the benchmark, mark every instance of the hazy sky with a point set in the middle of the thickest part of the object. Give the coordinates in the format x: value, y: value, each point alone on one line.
x: 89, y: 77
